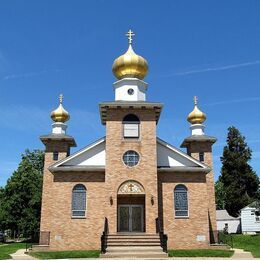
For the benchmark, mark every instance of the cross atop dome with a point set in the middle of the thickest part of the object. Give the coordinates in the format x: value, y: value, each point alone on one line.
x: 61, y: 98
x: 129, y: 35
x: 195, y: 100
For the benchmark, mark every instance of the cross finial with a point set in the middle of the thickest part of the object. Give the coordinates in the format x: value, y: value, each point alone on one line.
x: 129, y: 35
x: 195, y: 100
x: 61, y: 98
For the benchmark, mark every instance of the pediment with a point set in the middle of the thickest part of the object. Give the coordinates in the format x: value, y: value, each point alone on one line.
x: 170, y: 156
x: 93, y: 158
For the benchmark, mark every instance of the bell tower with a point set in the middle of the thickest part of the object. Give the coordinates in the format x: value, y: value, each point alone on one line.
x: 131, y: 154
x: 57, y: 147
x: 199, y: 146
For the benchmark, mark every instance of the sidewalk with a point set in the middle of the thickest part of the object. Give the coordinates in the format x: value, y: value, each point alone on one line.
x: 239, y: 254
x: 20, y: 255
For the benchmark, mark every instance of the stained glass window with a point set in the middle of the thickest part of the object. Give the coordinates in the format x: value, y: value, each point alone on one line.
x: 181, y: 201
x: 131, y: 158
x: 79, y: 201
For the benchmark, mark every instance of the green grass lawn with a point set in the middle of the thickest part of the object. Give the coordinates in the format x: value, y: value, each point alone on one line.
x: 201, y: 253
x: 11, y: 248
x: 248, y: 243
x: 66, y: 254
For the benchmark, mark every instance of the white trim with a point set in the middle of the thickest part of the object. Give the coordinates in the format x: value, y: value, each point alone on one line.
x: 99, y: 141
x: 181, y: 153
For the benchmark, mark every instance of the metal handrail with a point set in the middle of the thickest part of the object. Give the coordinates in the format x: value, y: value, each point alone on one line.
x: 104, y: 237
x: 163, y: 237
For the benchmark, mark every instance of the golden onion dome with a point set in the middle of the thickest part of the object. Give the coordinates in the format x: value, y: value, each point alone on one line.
x: 130, y: 64
x: 60, y: 114
x: 196, y: 116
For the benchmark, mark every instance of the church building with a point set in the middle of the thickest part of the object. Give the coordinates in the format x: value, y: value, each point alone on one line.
x: 128, y: 188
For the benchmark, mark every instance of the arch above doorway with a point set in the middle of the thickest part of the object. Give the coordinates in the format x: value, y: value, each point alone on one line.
x: 131, y: 187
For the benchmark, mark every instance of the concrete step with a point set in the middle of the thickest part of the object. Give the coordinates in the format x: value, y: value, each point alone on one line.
x: 131, y: 256
x: 133, y: 237
x: 150, y: 240
x: 134, y: 244
x: 134, y: 249
x: 132, y: 234
x: 40, y: 248
x: 219, y: 246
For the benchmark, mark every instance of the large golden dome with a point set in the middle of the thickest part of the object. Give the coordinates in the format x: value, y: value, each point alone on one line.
x: 130, y: 64
x: 60, y: 114
x: 196, y: 116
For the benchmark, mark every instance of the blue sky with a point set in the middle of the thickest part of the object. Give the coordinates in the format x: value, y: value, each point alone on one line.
x: 204, y: 48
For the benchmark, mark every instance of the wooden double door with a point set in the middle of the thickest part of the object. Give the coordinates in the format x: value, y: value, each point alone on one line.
x: 130, y: 218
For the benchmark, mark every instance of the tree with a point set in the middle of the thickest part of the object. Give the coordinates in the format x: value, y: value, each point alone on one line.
x: 220, y: 195
x: 21, y: 197
x: 240, y: 182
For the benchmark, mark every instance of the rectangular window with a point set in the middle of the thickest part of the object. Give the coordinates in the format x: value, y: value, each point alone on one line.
x: 201, y: 155
x: 55, y: 156
x: 131, y: 130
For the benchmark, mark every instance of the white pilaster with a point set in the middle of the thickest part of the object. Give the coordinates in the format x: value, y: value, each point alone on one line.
x: 59, y: 128
x: 130, y: 89
x: 197, y: 129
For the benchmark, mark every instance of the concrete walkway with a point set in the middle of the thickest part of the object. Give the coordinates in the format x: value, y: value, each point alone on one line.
x: 239, y: 254
x: 20, y: 255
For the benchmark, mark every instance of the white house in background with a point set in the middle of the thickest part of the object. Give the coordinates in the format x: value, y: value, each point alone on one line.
x: 232, y: 224
x: 250, y: 219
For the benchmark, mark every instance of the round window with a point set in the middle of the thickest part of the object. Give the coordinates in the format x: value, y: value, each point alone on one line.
x: 130, y: 91
x: 131, y: 158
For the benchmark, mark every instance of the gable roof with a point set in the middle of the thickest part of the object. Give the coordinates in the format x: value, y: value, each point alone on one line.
x: 222, y: 214
x: 93, y: 158
x: 89, y: 158
x: 253, y: 205
x: 170, y: 158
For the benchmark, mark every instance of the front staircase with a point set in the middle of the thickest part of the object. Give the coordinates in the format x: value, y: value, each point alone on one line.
x: 137, y: 245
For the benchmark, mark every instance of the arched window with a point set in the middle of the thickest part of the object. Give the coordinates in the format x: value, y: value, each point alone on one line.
x: 181, y: 201
x: 131, y: 126
x: 79, y: 201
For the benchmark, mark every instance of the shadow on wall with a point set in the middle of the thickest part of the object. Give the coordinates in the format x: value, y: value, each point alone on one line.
x: 79, y: 177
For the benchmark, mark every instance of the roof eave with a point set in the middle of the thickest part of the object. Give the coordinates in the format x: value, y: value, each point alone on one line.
x: 77, y: 169
x: 104, y: 106
x: 184, y: 169
x: 58, y: 137
x: 197, y: 139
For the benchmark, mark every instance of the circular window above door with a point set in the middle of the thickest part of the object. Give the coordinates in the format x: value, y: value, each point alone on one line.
x: 131, y: 158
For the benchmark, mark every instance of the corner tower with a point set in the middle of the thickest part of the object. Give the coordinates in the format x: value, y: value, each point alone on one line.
x: 57, y: 147
x: 131, y: 155
x: 199, y: 146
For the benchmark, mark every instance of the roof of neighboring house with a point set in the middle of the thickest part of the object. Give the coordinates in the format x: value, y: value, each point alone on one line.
x: 254, y: 205
x: 222, y: 214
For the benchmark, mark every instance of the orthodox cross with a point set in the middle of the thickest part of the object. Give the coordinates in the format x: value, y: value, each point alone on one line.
x: 129, y: 35
x: 61, y: 98
x: 195, y: 100
x: 131, y: 186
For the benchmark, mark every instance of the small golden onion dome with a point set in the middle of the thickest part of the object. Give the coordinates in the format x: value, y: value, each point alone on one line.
x: 130, y: 64
x: 196, y: 116
x: 60, y: 114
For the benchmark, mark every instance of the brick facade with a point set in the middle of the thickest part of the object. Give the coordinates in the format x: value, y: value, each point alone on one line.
x: 67, y: 233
